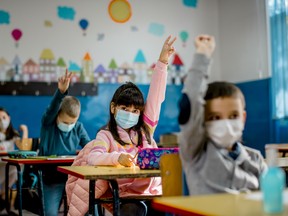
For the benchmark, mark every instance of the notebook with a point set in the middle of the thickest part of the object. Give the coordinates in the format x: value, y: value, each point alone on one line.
x: 149, y: 158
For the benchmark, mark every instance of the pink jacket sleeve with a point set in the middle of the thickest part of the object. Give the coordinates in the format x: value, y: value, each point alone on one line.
x: 156, y: 95
x: 101, y: 153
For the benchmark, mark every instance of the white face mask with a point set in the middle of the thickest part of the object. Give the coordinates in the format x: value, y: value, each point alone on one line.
x: 4, y: 123
x: 224, y: 133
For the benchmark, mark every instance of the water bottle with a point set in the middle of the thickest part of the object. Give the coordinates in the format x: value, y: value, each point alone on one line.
x: 272, y: 184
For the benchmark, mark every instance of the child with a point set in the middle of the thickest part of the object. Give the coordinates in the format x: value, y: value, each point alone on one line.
x: 131, y: 126
x: 61, y: 134
x: 213, y: 157
x: 9, y: 136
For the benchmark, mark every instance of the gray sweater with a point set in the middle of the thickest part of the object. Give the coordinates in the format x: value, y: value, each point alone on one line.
x: 208, y: 168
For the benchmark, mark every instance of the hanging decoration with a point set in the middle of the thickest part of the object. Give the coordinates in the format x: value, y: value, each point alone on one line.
x: 184, y: 36
x: 83, y: 23
x: 16, y: 34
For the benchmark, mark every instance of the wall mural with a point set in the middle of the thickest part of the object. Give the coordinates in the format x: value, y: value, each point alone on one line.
x: 32, y: 76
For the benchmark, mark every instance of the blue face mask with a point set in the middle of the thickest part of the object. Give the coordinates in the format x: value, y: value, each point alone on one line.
x: 65, y: 127
x: 126, y: 119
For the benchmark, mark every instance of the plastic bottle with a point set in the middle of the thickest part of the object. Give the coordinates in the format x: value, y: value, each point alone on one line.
x: 272, y: 184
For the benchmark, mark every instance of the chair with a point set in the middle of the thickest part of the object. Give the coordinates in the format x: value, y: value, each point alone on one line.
x: 171, y: 173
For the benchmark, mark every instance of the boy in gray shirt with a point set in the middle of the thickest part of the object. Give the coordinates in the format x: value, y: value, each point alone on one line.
x: 212, y: 119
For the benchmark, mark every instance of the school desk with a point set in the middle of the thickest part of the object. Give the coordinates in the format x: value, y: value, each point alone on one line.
x: 216, y: 205
x: 109, y: 173
x: 36, y: 162
x: 3, y: 154
x: 282, y: 148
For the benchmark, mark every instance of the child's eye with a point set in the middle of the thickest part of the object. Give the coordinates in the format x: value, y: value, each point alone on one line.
x: 137, y: 111
x: 234, y: 116
x: 214, y: 118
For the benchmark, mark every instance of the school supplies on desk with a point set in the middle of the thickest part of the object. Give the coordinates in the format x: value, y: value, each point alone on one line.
x: 148, y: 158
x: 21, y: 154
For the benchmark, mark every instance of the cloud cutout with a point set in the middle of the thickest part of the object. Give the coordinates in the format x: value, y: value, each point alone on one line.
x: 156, y: 29
x: 4, y: 17
x: 66, y: 13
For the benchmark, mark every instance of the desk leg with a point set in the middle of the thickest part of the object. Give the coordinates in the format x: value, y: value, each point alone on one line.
x: 116, y: 201
x: 40, y: 191
x: 91, y: 197
x: 19, y: 187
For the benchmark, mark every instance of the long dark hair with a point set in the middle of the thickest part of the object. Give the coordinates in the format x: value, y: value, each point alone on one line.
x: 10, y: 131
x: 129, y: 94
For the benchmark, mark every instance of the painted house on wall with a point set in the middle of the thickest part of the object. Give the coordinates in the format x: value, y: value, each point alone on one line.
x: 112, y: 73
x: 99, y: 73
x: 31, y: 71
x: 87, y: 69
x: 60, y: 67
x: 76, y: 71
x: 126, y: 73
x: 140, y: 67
x: 16, y: 71
x: 4, y: 67
x: 177, y: 73
x: 47, y: 66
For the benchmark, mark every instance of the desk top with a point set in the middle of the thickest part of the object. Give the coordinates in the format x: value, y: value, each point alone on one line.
x: 107, y: 172
x: 39, y: 160
x: 3, y: 154
x: 279, y: 147
x: 217, y: 205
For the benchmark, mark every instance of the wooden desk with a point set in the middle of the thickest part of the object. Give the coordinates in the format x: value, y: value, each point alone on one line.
x: 109, y: 173
x: 2, y: 154
x: 216, y: 205
x: 282, y: 148
x: 35, y: 162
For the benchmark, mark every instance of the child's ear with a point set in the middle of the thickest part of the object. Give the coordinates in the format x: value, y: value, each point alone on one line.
x: 244, y: 116
x: 112, y: 108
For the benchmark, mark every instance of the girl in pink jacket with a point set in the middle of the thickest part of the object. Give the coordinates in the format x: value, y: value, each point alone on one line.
x: 131, y: 126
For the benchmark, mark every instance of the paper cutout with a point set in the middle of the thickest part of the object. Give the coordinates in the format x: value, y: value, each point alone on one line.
x: 134, y: 28
x: 48, y: 23
x: 120, y: 11
x: 140, y: 57
x: 16, y: 34
x: 4, y: 17
x: 100, y: 37
x: 66, y: 13
x: 156, y: 29
x: 190, y: 3
x: 184, y: 36
x: 83, y: 23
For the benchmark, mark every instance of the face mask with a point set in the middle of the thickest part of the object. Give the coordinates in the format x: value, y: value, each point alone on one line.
x: 224, y: 133
x: 4, y: 123
x: 65, y: 127
x: 126, y: 119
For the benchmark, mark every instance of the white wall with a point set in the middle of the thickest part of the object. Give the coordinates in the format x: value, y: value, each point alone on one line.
x: 238, y: 26
x: 243, y: 40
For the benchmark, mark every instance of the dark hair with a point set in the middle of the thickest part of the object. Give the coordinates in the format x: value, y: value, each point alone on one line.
x: 70, y: 106
x: 223, y: 90
x: 10, y: 131
x: 129, y: 94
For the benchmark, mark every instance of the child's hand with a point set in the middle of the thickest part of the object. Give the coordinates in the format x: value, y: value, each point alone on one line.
x: 63, y: 82
x: 126, y: 160
x: 205, y: 44
x: 167, y: 50
x: 23, y: 128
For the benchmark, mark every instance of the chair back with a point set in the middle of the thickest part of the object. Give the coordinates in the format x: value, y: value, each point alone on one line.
x: 171, y: 173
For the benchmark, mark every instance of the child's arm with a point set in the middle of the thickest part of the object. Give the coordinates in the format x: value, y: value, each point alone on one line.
x: 101, y: 153
x: 52, y: 111
x: 192, y: 135
x: 156, y: 94
x: 84, y: 137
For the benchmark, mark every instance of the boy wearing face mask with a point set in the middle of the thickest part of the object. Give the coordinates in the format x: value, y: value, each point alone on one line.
x: 61, y: 134
x: 212, y: 120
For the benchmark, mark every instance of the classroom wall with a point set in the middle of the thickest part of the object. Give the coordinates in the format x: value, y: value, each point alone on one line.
x: 241, y: 54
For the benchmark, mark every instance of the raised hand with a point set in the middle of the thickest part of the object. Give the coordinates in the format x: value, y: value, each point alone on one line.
x: 126, y: 160
x: 63, y: 82
x: 205, y: 44
x: 24, y: 130
x: 167, y: 50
